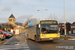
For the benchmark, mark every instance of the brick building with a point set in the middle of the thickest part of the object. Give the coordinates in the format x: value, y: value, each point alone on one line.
x: 61, y: 26
x: 73, y: 28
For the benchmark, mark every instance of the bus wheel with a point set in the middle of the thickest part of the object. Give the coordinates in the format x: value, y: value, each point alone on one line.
x: 51, y: 40
x: 36, y: 40
x: 27, y: 36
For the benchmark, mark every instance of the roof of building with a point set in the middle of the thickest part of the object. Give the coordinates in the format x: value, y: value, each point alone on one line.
x: 3, y: 25
x: 20, y: 24
x: 11, y: 16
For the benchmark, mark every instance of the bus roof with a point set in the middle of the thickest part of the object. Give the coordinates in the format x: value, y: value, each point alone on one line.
x: 39, y: 22
x: 45, y: 20
x: 48, y: 20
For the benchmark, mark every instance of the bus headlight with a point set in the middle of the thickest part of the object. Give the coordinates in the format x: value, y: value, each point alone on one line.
x: 58, y: 35
x: 42, y: 36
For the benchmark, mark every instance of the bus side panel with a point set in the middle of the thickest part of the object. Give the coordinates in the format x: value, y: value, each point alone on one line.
x: 29, y: 32
x: 32, y: 32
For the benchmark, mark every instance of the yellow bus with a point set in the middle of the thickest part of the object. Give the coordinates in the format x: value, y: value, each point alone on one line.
x: 43, y: 30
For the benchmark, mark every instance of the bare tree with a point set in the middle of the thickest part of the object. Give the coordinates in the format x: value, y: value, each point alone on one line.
x: 30, y: 20
x: 52, y: 17
x: 33, y: 20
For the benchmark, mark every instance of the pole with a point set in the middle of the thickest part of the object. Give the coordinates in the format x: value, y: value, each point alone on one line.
x: 42, y: 12
x: 64, y: 19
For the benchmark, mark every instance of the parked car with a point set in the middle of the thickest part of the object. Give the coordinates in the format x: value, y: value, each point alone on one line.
x: 4, y: 33
x: 11, y: 34
x: 2, y: 37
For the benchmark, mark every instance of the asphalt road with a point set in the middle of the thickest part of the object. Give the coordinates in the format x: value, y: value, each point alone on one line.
x: 47, y: 45
x: 55, y: 45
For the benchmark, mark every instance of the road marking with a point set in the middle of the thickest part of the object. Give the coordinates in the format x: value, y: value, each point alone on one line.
x: 15, y: 48
x: 21, y: 46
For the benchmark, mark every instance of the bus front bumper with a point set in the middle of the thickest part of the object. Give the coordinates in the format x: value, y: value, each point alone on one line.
x: 44, y: 39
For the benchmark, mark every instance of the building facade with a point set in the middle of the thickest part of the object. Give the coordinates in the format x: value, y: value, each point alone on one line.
x: 11, y: 19
x: 73, y: 28
x: 12, y: 24
x: 61, y: 26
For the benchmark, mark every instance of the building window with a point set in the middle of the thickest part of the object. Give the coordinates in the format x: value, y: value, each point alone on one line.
x: 63, y: 27
x: 10, y: 19
x: 62, y: 24
x: 14, y: 20
x: 72, y: 26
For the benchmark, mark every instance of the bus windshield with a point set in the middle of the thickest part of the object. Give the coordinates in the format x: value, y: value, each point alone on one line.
x: 49, y: 28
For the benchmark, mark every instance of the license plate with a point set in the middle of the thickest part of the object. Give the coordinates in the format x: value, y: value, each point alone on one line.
x: 50, y: 38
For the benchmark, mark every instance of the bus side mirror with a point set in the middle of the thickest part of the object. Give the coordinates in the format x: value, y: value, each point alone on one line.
x: 39, y: 25
x: 59, y: 29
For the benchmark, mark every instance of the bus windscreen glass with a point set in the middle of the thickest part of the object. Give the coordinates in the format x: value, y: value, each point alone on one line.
x: 49, y: 27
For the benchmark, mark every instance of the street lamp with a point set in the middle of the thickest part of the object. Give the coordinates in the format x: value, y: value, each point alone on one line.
x: 42, y: 12
x: 64, y: 19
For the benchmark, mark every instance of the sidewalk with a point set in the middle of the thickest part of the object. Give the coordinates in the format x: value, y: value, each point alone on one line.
x: 70, y: 35
x: 15, y: 43
x: 16, y: 40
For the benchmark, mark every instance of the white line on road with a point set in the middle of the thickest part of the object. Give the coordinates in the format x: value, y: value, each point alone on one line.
x: 25, y: 48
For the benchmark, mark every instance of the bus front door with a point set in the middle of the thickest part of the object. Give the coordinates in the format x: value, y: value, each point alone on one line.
x: 38, y: 33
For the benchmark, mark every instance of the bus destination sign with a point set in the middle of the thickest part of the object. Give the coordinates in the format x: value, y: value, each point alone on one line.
x: 51, y: 22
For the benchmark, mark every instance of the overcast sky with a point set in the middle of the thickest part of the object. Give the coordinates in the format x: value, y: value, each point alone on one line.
x: 23, y: 9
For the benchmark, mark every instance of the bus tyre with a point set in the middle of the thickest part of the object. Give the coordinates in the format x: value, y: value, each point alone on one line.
x: 27, y: 36
x: 51, y: 40
x: 36, y: 40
